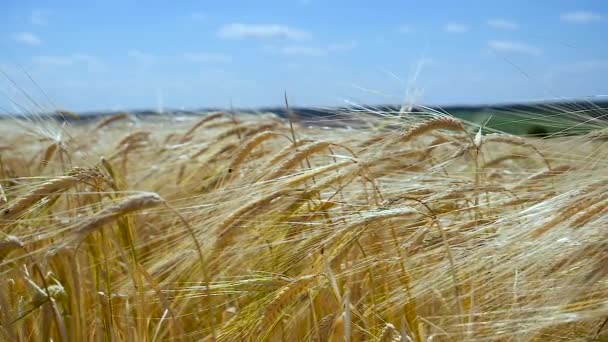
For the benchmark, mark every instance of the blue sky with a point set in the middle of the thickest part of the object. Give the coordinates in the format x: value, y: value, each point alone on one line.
x: 126, y: 54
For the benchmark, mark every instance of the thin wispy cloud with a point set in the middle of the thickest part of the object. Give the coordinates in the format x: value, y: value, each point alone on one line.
x: 261, y: 31
x: 455, y: 28
x: 502, y: 24
x: 514, y: 47
x: 299, y: 50
x: 313, y: 51
x: 204, y: 57
x: 405, y: 29
x: 68, y: 60
x: 582, y: 17
x: 40, y: 17
x: 27, y: 38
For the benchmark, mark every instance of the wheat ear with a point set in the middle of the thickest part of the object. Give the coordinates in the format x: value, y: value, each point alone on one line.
x: 202, y: 121
x: 292, y: 161
x: 48, y: 155
x: 283, y: 153
x: 9, y: 244
x: 324, y: 327
x: 502, y: 159
x: 543, y: 175
x: 516, y: 141
x: 246, y: 129
x: 389, y: 334
x: 117, y: 117
x: 283, y: 298
x: 226, y: 227
x: 565, y: 213
x: 134, y: 138
x: 258, y: 129
x: 126, y: 206
x: 50, y: 187
x: 444, y: 122
x: 246, y: 149
x: 599, y: 208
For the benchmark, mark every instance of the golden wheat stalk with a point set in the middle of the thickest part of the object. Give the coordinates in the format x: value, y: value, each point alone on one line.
x: 389, y: 334
x: 51, y: 187
x: 287, y: 150
x: 226, y: 227
x: 516, y: 141
x: 3, y: 199
x: 126, y: 206
x: 284, y: 297
x: 247, y: 147
x: 107, y: 121
x: 443, y: 122
x: 199, y: 123
x: 291, y: 162
x: 48, y: 155
x: 9, y: 244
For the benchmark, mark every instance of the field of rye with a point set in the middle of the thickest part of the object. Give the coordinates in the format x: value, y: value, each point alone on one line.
x: 255, y: 228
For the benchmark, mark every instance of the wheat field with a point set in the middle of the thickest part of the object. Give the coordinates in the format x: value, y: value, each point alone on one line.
x: 364, y: 226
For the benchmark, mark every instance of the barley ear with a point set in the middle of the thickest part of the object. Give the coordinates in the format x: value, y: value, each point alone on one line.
x: 126, y: 206
x: 444, y: 122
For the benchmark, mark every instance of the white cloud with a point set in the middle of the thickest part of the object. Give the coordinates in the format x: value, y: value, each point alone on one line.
x: 301, y: 50
x: 27, y: 38
x: 244, y: 31
x: 40, y: 17
x: 203, y: 57
x: 404, y: 29
x: 502, y: 24
x: 455, y: 28
x: 313, y: 51
x: 581, y: 17
x: 198, y: 16
x: 516, y: 47
x: 68, y: 60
